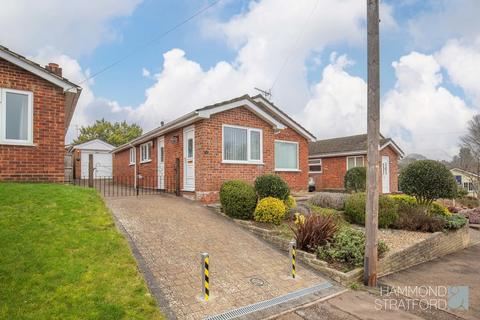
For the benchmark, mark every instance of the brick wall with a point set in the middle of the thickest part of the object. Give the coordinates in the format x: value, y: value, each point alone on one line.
x: 210, y: 172
x: 437, y: 245
x: 335, y: 168
x: 44, y: 160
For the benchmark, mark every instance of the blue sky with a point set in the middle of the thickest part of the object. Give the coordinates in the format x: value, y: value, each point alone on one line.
x: 430, y: 53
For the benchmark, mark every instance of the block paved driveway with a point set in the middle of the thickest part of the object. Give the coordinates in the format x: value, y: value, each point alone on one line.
x: 170, y: 233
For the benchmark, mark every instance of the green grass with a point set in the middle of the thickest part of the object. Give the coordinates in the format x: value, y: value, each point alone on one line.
x: 61, y: 257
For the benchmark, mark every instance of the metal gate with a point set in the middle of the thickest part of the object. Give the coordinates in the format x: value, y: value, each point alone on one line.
x: 131, y: 184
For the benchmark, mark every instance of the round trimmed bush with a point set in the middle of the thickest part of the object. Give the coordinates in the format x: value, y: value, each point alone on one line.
x: 355, y: 179
x: 271, y: 185
x: 427, y: 180
x: 270, y: 209
x: 290, y: 203
x: 355, y: 210
x: 238, y: 199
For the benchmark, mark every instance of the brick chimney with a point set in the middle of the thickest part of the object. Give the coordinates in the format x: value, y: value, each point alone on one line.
x: 53, y: 67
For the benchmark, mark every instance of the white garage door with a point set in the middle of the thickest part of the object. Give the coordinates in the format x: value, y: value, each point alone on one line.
x: 102, y: 164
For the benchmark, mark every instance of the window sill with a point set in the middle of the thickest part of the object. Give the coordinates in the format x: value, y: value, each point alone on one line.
x: 288, y: 170
x: 20, y: 144
x: 145, y: 161
x: 314, y: 172
x: 131, y: 164
x: 243, y: 162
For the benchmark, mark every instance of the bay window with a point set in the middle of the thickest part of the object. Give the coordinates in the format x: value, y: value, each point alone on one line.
x: 242, y: 145
x: 286, y: 155
x: 16, y: 114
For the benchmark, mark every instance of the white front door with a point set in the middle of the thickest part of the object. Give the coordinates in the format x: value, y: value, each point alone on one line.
x: 385, y: 174
x: 189, y: 158
x: 161, y: 163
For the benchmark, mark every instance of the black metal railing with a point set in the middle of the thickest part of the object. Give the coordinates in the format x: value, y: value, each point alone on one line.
x: 122, y: 186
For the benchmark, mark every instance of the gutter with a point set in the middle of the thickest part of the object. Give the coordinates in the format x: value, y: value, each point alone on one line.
x: 178, y: 123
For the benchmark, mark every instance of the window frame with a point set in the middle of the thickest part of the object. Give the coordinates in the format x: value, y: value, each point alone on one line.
x: 133, y: 152
x: 249, y: 155
x: 3, y: 118
x: 297, y: 169
x: 143, y: 145
x: 315, y: 164
x: 355, y: 160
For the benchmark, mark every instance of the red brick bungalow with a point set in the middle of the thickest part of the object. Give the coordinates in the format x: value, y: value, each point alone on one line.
x: 330, y: 159
x: 36, y: 106
x: 236, y: 139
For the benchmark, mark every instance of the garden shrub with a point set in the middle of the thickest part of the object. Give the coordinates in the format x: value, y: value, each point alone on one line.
x: 404, y: 202
x: 329, y: 200
x: 347, y: 247
x: 355, y: 210
x: 313, y: 231
x: 415, y: 219
x: 270, y: 209
x: 469, y: 202
x: 436, y: 209
x: 427, y: 180
x: 355, y: 179
x: 473, y: 215
x: 238, y: 199
x: 290, y: 202
x: 271, y: 185
x: 461, y: 192
x: 455, y: 221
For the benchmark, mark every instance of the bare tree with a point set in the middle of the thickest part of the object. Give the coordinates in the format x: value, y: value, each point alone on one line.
x: 471, y: 141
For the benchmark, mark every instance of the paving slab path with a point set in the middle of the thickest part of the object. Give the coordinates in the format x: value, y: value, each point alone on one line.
x: 170, y: 233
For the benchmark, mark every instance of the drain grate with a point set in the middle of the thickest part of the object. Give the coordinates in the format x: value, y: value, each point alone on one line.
x: 232, y: 314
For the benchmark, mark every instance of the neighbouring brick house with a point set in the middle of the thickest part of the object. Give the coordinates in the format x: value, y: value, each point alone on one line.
x: 236, y: 139
x: 36, y: 106
x: 330, y: 159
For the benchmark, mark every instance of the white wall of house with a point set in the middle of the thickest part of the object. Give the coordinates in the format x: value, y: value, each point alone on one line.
x: 466, y: 180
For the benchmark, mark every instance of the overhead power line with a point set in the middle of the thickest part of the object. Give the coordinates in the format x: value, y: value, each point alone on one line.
x: 150, y: 42
x: 295, y: 45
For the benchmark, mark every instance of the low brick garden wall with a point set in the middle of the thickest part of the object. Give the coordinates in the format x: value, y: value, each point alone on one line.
x: 437, y: 245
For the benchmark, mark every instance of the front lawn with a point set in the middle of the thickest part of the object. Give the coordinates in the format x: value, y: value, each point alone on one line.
x: 61, y: 257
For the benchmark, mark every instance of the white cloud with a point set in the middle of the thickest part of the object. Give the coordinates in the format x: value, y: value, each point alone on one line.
x: 461, y: 59
x: 419, y: 112
x: 447, y: 19
x: 72, y: 27
x: 338, y: 103
x: 145, y: 72
x: 89, y: 107
x: 268, y: 32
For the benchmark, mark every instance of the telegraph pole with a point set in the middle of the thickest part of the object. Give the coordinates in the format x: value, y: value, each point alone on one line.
x: 373, y: 132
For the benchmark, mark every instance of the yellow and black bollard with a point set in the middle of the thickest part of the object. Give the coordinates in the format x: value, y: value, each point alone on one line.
x: 205, y: 276
x: 293, y: 249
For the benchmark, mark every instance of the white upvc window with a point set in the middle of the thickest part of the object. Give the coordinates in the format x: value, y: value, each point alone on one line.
x: 286, y: 156
x: 16, y: 117
x: 357, y: 161
x: 315, y: 165
x: 146, y: 152
x: 133, y: 155
x: 469, y: 186
x: 242, y: 145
